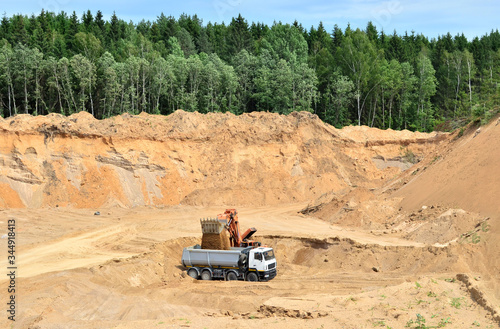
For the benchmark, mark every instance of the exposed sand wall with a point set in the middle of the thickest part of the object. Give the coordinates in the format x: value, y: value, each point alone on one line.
x: 192, y: 158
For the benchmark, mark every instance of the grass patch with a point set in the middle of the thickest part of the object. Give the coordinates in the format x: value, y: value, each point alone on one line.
x: 436, y: 158
x: 456, y: 302
x: 409, y: 156
x: 420, y: 323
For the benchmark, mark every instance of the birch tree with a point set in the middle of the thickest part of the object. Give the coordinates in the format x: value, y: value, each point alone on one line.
x: 84, y: 73
x: 426, y: 88
x: 25, y: 62
x: 359, y: 56
x: 7, y: 76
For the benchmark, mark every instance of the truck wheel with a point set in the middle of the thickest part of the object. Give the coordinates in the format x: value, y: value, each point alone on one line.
x: 242, y: 261
x: 252, y: 277
x: 193, y: 273
x: 205, y: 275
x: 231, y: 276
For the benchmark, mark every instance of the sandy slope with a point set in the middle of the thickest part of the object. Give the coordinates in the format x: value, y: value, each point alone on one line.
x: 467, y: 175
x: 364, y: 237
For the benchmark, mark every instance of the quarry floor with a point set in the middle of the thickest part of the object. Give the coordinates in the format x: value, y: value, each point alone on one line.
x: 121, y: 269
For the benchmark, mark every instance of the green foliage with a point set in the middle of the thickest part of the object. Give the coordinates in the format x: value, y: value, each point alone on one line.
x: 58, y: 62
x: 456, y: 302
x: 338, y: 98
x: 473, y: 236
x: 284, y: 41
x: 436, y: 158
x: 485, y: 227
x: 443, y: 322
x: 239, y: 37
x: 420, y: 323
x: 410, y: 157
x: 360, y: 60
x: 426, y: 88
x: 379, y: 323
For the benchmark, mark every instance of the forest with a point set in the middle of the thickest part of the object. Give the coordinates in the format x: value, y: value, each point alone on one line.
x: 61, y: 63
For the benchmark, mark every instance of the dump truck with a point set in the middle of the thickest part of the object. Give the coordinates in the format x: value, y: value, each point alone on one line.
x: 238, y: 263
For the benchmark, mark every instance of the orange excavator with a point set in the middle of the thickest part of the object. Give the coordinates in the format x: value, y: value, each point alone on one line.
x: 230, y: 220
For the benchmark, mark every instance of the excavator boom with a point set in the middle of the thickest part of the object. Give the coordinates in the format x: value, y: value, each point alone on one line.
x: 230, y: 220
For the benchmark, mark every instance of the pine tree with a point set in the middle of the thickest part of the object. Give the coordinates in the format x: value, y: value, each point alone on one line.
x: 4, y: 28
x: 73, y: 29
x: 238, y: 37
x: 88, y: 21
x: 19, y: 33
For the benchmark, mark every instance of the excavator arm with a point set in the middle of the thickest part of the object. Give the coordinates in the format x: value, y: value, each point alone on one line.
x: 230, y: 216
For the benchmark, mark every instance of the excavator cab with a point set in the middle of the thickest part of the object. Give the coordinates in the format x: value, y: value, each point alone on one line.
x: 245, y: 237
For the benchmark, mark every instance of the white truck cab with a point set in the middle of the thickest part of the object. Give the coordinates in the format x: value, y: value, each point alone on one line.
x: 262, y: 261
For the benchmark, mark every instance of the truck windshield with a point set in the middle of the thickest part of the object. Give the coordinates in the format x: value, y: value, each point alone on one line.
x: 268, y: 255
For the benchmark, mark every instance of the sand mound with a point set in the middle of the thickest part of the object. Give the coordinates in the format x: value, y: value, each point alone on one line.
x: 215, y: 241
x: 346, y: 255
x: 447, y: 198
x: 467, y: 175
x: 451, y: 226
x: 334, y: 209
x: 191, y: 158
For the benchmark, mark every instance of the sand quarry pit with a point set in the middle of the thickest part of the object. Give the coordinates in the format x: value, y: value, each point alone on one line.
x: 370, y: 228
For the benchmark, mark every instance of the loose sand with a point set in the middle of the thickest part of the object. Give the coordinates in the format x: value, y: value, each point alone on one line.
x: 363, y: 237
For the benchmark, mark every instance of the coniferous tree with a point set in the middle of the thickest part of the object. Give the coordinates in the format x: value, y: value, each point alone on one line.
x: 238, y: 37
x: 73, y: 29
x: 19, y: 33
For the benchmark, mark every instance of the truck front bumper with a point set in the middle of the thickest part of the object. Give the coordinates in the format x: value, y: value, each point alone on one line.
x: 268, y: 275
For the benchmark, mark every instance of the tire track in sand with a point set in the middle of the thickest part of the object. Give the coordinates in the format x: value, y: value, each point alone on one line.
x: 78, y: 250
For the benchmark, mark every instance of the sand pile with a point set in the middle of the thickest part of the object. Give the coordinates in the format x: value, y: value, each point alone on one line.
x: 449, y: 197
x: 466, y: 175
x: 215, y: 241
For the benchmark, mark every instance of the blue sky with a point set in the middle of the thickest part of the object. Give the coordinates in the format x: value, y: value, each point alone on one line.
x: 430, y: 17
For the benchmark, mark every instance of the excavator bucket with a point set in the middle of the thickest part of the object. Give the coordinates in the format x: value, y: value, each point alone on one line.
x: 214, y: 235
x: 211, y: 225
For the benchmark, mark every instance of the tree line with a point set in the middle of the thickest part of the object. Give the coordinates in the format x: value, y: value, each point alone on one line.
x: 62, y: 63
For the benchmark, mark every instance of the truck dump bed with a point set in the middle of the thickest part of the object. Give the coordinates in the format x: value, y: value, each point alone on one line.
x: 207, y: 257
